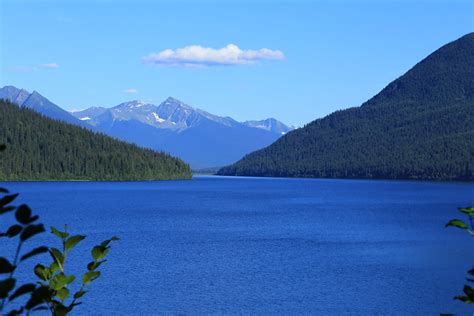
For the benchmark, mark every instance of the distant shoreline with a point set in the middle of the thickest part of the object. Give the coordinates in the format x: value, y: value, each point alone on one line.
x: 249, y: 177
x: 90, y: 180
x: 355, y: 179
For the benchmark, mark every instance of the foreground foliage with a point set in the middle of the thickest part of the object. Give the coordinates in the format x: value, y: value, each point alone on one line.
x: 39, y: 148
x: 468, y: 295
x: 52, y: 291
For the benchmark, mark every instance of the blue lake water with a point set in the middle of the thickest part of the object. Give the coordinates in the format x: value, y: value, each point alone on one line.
x: 217, y: 245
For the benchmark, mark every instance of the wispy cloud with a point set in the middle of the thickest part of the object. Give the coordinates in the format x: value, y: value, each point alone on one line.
x: 49, y: 66
x: 33, y: 68
x: 198, y: 56
x: 130, y: 91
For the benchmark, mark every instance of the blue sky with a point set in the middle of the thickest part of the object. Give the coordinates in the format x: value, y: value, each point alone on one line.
x: 321, y: 55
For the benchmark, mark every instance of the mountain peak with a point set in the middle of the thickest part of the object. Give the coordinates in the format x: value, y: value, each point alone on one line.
x: 170, y: 101
x: 418, y: 127
x: 451, y: 63
x: 13, y: 94
x: 135, y: 104
x: 270, y: 124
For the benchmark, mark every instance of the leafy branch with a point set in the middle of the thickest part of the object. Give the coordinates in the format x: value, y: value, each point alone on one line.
x: 24, y: 229
x: 468, y: 295
x: 53, y: 289
x: 54, y: 277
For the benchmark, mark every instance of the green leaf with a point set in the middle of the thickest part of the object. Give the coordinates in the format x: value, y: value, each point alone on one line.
x: 23, y: 215
x: 60, y: 310
x: 457, y: 223
x: 62, y: 294
x: 6, y: 286
x: 469, y: 210
x: 57, y: 256
x: 5, y: 266
x: 13, y: 231
x: 70, y: 279
x: 34, y: 252
x: 79, y: 294
x: 22, y: 290
x: 31, y: 230
x: 6, y: 209
x: 90, y: 276
x: 59, y: 233
x: 2, y: 147
x: 105, y: 243
x: 71, y: 242
x: 469, y: 298
x: 99, y: 252
x: 42, y: 272
x: 16, y: 311
x: 58, y: 281
x: 469, y: 292
x: 7, y: 199
x: 39, y: 296
x: 94, y: 265
x: 54, y: 267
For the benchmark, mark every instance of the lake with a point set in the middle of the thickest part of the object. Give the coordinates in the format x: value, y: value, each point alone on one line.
x: 218, y: 245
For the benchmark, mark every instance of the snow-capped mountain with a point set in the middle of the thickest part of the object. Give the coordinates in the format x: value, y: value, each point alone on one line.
x: 200, y: 138
x: 89, y: 113
x: 170, y: 114
x: 271, y: 125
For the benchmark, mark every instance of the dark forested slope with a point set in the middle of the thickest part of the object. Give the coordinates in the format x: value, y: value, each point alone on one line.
x: 421, y: 126
x: 41, y: 148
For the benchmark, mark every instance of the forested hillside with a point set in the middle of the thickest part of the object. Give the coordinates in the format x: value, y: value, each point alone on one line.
x: 421, y: 126
x: 39, y: 148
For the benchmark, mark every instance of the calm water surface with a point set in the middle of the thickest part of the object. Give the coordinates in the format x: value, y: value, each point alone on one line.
x: 218, y: 245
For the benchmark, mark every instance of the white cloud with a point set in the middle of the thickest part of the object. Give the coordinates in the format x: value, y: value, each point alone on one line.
x: 131, y: 91
x: 198, y: 56
x: 49, y: 66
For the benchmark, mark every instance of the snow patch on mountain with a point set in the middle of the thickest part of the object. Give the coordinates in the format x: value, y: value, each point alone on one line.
x: 158, y: 118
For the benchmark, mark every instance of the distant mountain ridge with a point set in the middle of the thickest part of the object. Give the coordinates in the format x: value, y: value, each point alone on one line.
x: 200, y: 138
x: 170, y: 114
x: 421, y: 126
x: 37, y: 102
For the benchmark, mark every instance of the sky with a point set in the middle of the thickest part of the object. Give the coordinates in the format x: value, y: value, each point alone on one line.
x: 295, y: 61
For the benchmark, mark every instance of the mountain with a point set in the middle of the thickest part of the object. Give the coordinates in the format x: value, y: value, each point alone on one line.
x: 14, y: 95
x: 271, y: 125
x: 38, y: 103
x: 421, y: 126
x: 200, y: 138
x: 41, y: 148
x: 89, y: 113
